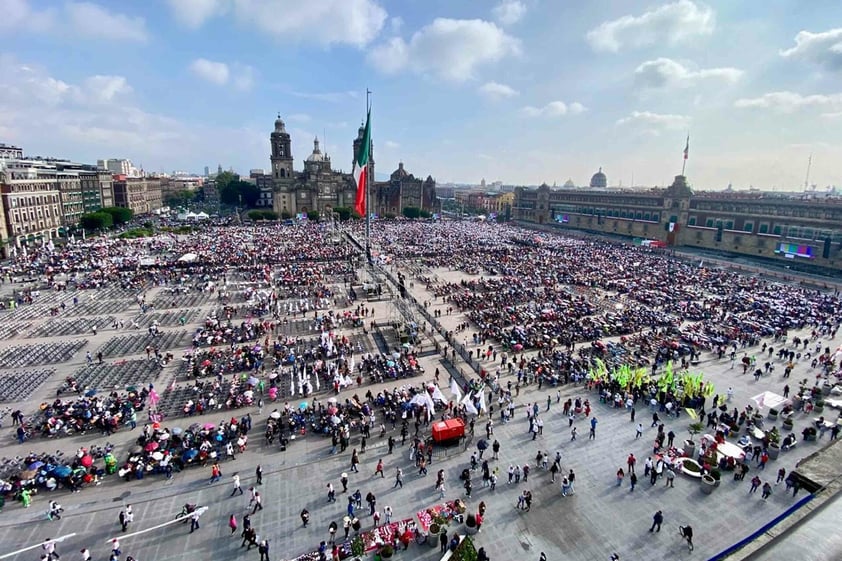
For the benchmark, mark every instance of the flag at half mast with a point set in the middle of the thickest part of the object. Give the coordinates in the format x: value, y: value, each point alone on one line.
x: 687, y: 148
x: 361, y: 168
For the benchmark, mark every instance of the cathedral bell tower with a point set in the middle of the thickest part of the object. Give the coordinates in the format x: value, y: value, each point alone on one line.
x: 281, y: 157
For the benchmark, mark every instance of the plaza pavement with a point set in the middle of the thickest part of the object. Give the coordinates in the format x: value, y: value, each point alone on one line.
x: 598, y: 520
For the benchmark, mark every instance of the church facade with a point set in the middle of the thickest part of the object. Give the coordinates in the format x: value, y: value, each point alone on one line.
x: 321, y: 188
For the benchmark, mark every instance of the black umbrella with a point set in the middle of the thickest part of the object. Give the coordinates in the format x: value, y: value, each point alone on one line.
x: 482, y: 444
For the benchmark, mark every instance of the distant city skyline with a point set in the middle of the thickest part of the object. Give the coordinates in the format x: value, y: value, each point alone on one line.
x: 518, y: 91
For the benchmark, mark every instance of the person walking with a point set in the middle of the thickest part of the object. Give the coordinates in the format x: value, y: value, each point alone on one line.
x: 124, y: 520
x: 343, y: 479
x: 86, y: 554
x: 592, y: 435
x: 687, y: 533
x: 216, y: 473
x: 755, y: 483
x: 767, y: 491
x: 232, y: 523
x: 379, y: 469
x: 194, y: 521
x: 355, y: 460
x: 398, y: 479
x: 633, y: 480
x: 258, y: 502
x: 669, y: 480
x: 657, y: 520
x: 263, y: 549
x: 630, y: 462
x: 258, y: 472
x: 237, y: 488
x: 638, y: 431
x: 331, y: 493
x: 620, y: 475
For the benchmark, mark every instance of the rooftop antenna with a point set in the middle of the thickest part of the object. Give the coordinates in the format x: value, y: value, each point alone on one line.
x: 807, y: 178
x: 324, y: 139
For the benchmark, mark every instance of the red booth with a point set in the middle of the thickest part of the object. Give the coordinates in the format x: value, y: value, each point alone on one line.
x: 450, y: 429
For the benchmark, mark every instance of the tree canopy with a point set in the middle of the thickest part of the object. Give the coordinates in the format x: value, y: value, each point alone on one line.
x: 119, y: 215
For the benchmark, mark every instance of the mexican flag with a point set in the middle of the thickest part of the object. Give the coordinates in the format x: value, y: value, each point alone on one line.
x: 361, y: 167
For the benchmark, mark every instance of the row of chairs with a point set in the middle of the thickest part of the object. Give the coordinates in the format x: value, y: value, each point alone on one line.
x: 20, y: 386
x: 63, y: 327
x: 124, y: 345
x: 22, y: 356
x: 119, y: 375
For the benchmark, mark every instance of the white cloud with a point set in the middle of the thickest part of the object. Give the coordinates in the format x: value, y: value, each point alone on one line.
x: 496, y: 91
x: 93, y: 21
x: 824, y: 48
x: 242, y: 77
x: 789, y: 102
x: 553, y: 109
x: 834, y: 115
x: 194, y: 13
x: 106, y: 89
x: 667, y: 73
x: 670, y: 23
x: 214, y: 72
x: 97, y: 115
x: 653, y: 121
x: 19, y: 15
x: 509, y: 12
x: 326, y: 22
x: 391, y: 144
x: 79, y: 20
x: 447, y: 48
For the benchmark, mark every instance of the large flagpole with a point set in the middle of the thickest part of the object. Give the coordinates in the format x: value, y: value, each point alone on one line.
x: 367, y: 184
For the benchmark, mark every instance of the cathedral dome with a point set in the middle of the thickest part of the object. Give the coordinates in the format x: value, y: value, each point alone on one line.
x: 317, y: 155
x: 599, y: 180
x: 279, y: 124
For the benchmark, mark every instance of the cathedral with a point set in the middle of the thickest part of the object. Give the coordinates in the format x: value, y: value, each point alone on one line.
x: 321, y: 188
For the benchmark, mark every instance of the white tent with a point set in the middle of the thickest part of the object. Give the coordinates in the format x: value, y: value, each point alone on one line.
x: 188, y: 257
x: 770, y: 400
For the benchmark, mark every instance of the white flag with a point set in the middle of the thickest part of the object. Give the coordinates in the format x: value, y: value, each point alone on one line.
x: 438, y: 395
x: 454, y: 389
x: 482, y: 401
x: 469, y: 405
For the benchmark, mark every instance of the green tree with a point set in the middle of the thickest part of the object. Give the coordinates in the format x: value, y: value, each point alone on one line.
x: 232, y: 192
x: 96, y: 221
x: 313, y: 215
x: 119, y: 214
x: 412, y: 212
x: 225, y: 178
x: 286, y: 215
x: 344, y: 213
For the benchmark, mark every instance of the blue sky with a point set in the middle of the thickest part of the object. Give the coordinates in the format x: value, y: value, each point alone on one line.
x: 522, y: 91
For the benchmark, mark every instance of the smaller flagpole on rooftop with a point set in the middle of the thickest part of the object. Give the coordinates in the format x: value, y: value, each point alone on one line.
x: 367, y: 184
x: 686, y: 154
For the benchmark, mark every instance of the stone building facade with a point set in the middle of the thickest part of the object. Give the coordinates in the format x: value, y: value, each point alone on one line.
x: 140, y: 194
x: 805, y: 230
x: 321, y: 188
x: 404, y: 190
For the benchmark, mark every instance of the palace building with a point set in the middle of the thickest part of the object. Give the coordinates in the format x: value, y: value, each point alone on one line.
x: 804, y: 230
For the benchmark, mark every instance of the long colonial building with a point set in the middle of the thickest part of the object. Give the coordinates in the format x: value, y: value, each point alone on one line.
x: 43, y: 197
x: 802, y: 230
x: 321, y: 188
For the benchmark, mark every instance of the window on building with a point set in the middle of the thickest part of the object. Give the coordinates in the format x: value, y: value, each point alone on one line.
x: 748, y: 227
x: 777, y: 230
x: 647, y: 216
x: 709, y: 223
x: 763, y: 228
x: 691, y: 221
x: 729, y: 225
